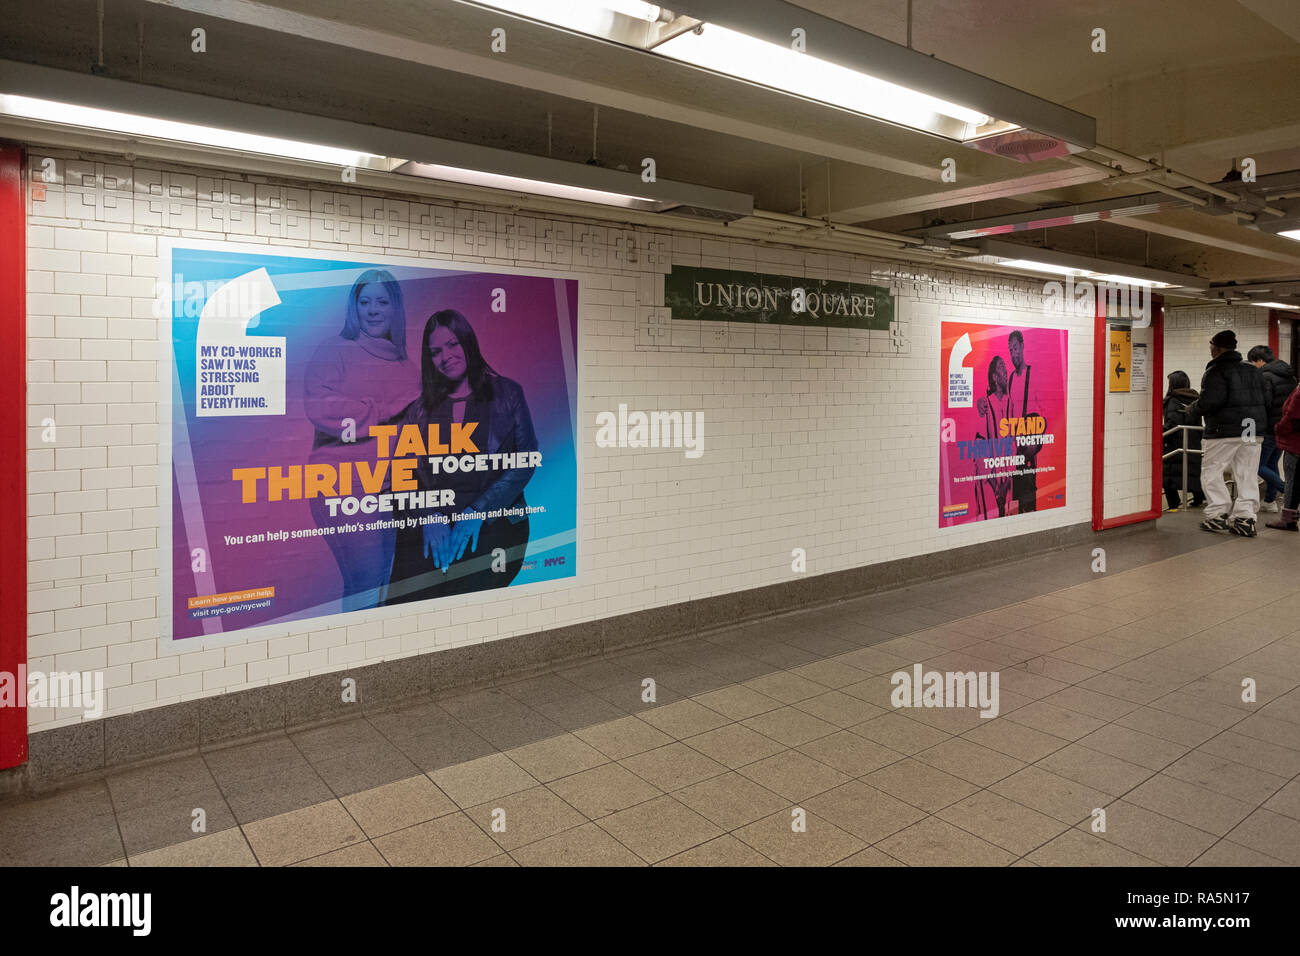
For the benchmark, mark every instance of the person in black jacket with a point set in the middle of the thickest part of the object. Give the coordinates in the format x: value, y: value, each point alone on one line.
x: 1234, y: 404
x: 1177, y: 399
x: 1281, y: 382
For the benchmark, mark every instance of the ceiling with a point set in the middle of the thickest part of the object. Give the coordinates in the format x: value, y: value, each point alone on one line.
x: 1195, y: 86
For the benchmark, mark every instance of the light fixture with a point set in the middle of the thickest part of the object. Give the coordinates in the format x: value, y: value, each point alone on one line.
x: 474, y: 177
x: 152, y: 118
x: 758, y: 61
x: 1133, y: 280
x: 596, y: 17
x: 1276, y: 305
x: 149, y: 127
x: 1030, y: 266
x: 1013, y: 255
x: 787, y: 48
x: 1291, y: 234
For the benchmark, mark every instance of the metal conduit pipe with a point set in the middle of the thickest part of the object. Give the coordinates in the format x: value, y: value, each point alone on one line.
x: 1148, y: 166
x: 859, y: 245
x: 1177, y: 176
x: 789, y: 231
x: 792, y: 232
x: 829, y: 233
x: 1158, y: 187
x: 809, y: 223
x: 854, y: 244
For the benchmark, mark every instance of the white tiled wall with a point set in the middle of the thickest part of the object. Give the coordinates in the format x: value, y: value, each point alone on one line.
x: 810, y: 442
x: 1188, y: 330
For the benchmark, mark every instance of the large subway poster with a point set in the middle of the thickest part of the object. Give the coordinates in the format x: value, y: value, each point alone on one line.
x: 1002, y: 421
x: 348, y: 432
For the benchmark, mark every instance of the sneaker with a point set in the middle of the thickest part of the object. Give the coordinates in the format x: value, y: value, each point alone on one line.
x: 1270, y: 506
x: 1244, y: 527
x: 1214, y: 524
x: 1172, y: 511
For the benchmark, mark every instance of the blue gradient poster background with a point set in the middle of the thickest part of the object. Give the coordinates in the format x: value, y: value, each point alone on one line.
x: 237, y: 563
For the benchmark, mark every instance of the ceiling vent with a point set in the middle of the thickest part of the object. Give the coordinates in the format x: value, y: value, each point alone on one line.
x: 1025, y: 146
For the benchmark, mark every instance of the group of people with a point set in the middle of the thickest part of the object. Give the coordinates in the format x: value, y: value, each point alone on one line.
x: 1251, y: 413
x: 363, y: 377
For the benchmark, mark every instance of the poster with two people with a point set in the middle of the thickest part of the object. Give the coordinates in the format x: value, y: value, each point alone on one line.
x: 1002, y: 421
x: 349, y: 433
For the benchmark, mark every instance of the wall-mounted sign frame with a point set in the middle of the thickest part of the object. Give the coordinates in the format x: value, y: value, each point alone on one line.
x: 728, y: 295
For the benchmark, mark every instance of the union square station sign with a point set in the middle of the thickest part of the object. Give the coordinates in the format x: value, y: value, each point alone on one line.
x: 726, y: 295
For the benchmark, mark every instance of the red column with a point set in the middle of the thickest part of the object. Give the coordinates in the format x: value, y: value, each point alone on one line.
x: 13, y: 442
x: 1100, y: 365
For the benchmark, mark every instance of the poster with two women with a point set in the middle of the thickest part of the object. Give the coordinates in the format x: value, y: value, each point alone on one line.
x: 1001, y: 421
x: 348, y: 432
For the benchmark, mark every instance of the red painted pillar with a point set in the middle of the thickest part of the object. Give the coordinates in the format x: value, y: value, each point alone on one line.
x: 1274, y: 334
x: 1100, y: 366
x: 13, y: 442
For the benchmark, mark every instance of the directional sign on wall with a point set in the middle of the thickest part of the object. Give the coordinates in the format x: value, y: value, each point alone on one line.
x: 1121, y: 360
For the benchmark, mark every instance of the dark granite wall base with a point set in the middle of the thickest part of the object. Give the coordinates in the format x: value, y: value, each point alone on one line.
x: 57, y: 755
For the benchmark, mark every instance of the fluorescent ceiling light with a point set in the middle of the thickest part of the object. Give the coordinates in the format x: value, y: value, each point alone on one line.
x: 1291, y: 234
x: 449, y: 161
x: 585, y: 16
x: 1276, y: 305
x: 87, y: 117
x: 758, y: 61
x: 742, y: 42
x: 1017, y: 256
x: 1031, y: 266
x: 473, y: 177
x: 1131, y: 280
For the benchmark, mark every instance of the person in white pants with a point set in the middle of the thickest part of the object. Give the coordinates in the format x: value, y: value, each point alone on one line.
x: 1241, y: 457
x: 1234, y: 403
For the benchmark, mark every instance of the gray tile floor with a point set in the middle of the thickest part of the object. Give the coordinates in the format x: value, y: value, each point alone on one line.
x: 776, y: 742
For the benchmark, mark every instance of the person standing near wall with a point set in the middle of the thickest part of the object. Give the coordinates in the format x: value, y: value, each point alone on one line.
x: 1288, y: 439
x: 1177, y: 400
x: 1281, y: 382
x: 359, y: 378
x: 1023, y: 402
x: 1234, y: 406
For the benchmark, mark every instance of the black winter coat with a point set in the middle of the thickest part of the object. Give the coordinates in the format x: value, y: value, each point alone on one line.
x: 1281, y: 382
x: 1176, y: 403
x: 1232, y: 391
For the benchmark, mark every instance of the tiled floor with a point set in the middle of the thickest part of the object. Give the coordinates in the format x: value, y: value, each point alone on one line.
x: 775, y: 742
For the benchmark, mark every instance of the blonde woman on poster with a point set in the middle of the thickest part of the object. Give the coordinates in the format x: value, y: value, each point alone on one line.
x: 359, y: 378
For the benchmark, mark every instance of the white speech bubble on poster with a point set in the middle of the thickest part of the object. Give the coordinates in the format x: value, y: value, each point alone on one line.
x: 237, y: 373
x: 961, y: 380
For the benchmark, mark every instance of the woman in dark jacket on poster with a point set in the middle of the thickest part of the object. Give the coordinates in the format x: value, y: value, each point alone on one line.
x: 457, y: 556
x: 1179, y: 396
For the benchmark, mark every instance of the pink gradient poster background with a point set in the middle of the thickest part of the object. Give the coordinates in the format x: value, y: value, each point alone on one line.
x: 985, y: 430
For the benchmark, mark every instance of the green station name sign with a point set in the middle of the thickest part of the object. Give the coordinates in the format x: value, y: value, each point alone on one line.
x: 726, y: 295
